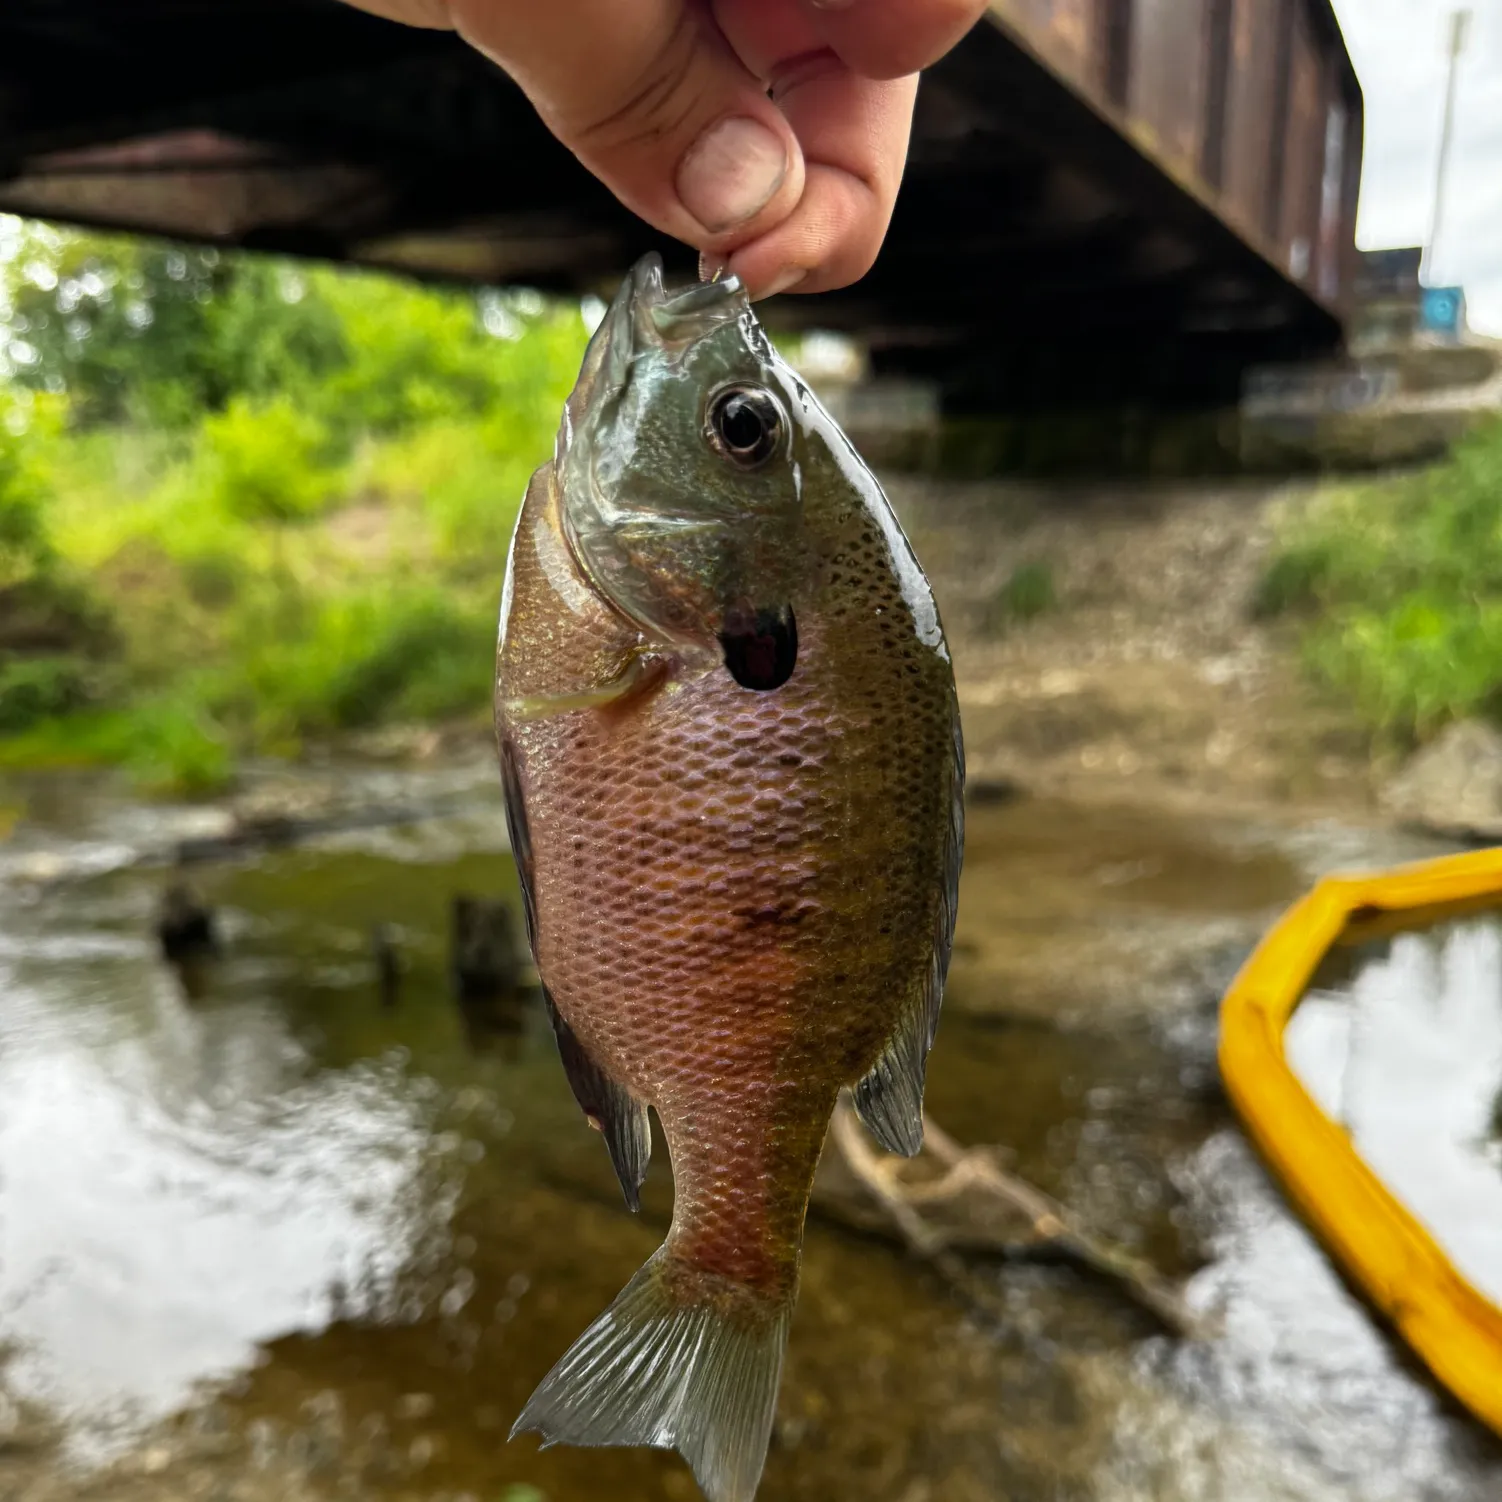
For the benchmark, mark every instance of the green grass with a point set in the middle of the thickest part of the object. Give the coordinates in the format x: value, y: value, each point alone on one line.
x: 1029, y: 592
x: 264, y: 586
x: 275, y: 511
x: 1396, y: 587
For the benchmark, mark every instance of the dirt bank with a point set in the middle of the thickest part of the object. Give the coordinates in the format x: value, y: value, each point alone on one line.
x: 1147, y: 677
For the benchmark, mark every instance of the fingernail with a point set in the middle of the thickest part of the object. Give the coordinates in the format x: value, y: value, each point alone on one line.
x: 785, y: 281
x: 731, y: 172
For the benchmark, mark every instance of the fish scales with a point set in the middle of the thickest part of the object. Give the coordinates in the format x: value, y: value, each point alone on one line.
x: 740, y: 898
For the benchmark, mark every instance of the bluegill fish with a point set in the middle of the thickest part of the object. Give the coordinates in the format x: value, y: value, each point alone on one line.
x: 733, y: 773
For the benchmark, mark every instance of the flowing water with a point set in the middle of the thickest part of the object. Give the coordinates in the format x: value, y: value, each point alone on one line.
x: 264, y: 1234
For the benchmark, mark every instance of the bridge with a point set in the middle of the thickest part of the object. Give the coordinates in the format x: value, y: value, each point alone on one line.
x: 1108, y: 201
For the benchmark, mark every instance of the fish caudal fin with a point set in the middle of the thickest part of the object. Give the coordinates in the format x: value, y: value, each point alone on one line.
x: 685, y: 1363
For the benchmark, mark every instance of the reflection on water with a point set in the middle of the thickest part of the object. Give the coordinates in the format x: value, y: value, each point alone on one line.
x: 181, y: 1185
x: 1407, y: 1056
x: 349, y: 1228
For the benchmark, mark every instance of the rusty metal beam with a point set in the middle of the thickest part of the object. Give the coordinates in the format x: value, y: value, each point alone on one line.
x: 1082, y: 172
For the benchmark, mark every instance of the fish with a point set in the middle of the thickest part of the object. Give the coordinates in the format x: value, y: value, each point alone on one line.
x: 733, y: 778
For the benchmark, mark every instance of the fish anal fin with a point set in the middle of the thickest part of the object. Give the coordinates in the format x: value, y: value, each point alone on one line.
x: 693, y: 1369
x: 608, y: 1107
x: 890, y: 1097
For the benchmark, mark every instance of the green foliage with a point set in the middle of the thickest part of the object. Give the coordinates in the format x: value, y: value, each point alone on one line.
x: 292, y: 487
x: 38, y: 688
x: 466, y: 479
x: 1294, y: 578
x: 25, y: 549
x: 267, y: 461
x: 167, y: 743
x: 176, y: 746
x: 161, y: 334
x: 123, y: 326
x: 1029, y: 592
x: 361, y: 658
x: 1399, y: 585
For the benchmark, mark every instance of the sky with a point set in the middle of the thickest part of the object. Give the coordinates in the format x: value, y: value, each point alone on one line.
x: 1399, y: 49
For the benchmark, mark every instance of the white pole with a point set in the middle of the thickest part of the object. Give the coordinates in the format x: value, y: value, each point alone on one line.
x: 1460, y: 32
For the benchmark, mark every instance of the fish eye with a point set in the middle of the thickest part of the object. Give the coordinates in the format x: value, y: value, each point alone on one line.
x: 744, y: 424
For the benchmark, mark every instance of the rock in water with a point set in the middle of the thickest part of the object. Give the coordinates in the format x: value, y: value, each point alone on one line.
x: 184, y: 924
x: 1453, y: 786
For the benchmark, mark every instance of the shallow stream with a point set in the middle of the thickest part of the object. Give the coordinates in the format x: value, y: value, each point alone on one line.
x: 264, y: 1236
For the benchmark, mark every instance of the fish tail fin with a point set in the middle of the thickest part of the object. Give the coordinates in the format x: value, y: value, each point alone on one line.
x: 682, y: 1360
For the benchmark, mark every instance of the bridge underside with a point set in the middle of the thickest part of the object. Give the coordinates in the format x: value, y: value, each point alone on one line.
x: 1039, y: 257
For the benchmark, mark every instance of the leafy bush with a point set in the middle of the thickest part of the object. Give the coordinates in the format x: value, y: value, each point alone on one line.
x: 1293, y: 579
x: 266, y: 461
x: 424, y: 659
x: 37, y: 688
x: 360, y: 658
x: 223, y: 409
x: 1400, y: 585
x: 25, y: 548
x: 175, y: 746
x: 466, y: 485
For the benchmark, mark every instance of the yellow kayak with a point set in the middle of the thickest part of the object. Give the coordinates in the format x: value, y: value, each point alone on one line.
x: 1454, y: 1328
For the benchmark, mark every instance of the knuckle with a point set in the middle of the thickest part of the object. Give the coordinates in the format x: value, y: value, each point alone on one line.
x: 661, y: 96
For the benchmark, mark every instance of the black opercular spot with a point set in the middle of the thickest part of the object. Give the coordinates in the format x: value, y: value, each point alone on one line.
x: 762, y: 655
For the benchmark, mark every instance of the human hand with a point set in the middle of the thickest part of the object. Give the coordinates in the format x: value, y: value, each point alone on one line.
x: 666, y: 101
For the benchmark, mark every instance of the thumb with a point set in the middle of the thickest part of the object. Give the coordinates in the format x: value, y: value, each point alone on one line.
x: 649, y: 95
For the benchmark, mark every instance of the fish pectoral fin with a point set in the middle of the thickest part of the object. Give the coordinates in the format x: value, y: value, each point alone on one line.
x: 644, y: 672
x: 620, y: 1119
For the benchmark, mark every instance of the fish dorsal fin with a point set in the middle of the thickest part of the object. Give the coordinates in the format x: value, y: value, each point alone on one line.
x: 890, y: 1097
x: 621, y: 1119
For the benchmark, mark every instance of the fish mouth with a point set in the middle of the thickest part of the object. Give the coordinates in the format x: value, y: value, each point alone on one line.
x: 646, y: 315
x: 683, y: 314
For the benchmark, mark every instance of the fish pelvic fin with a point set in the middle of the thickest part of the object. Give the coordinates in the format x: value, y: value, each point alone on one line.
x: 681, y: 1360
x: 620, y: 1118
x: 889, y: 1099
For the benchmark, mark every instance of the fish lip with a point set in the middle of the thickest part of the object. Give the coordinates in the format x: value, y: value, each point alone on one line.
x: 684, y: 313
x: 699, y: 297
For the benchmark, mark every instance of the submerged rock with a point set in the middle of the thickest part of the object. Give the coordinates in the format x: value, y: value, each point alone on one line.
x: 1453, y: 786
